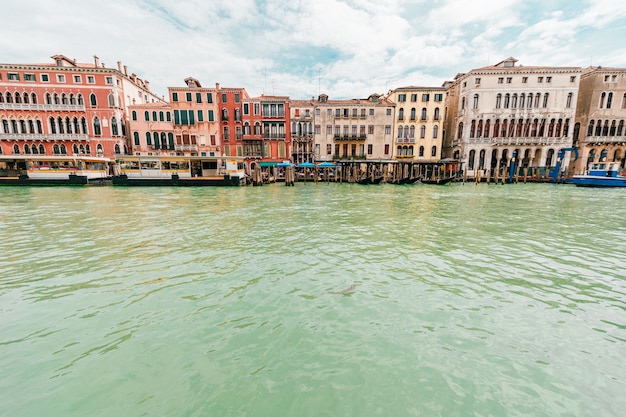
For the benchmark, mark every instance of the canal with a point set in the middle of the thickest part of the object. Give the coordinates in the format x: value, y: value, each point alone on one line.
x: 316, y: 300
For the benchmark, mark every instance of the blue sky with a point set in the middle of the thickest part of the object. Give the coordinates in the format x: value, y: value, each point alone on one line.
x: 299, y: 48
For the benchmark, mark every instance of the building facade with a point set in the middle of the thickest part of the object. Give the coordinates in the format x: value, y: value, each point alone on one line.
x: 266, y: 129
x: 356, y: 129
x: 600, y: 116
x: 67, y: 108
x: 508, y: 111
x: 418, y: 123
x: 301, y: 115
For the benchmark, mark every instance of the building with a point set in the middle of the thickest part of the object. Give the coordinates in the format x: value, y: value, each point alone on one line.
x: 507, y: 111
x: 600, y: 113
x: 418, y: 122
x: 301, y: 115
x: 67, y: 108
x: 266, y: 129
x: 151, y: 130
x: 354, y: 129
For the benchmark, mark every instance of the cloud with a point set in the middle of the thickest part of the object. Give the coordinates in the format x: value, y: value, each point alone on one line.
x: 346, y: 48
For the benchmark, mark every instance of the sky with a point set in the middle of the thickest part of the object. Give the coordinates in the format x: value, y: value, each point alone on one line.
x: 303, y: 48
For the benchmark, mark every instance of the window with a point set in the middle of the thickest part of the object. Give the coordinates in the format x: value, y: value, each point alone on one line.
x: 93, y: 101
x: 423, y: 113
x: 109, y: 80
x: 568, y: 104
x: 387, y: 149
x: 211, y: 116
x: 236, y: 97
x: 425, y: 97
x: 198, y: 97
x: 401, y: 98
x: 13, y: 76
x: 30, y: 77
x: 539, y: 79
x: 388, y: 112
x: 524, y: 80
x: 44, y: 78
x: 329, y: 149
x: 188, y: 97
x: 96, y: 127
x: 498, y: 101
x: 609, y: 100
x: 572, y: 79
x: 134, y: 115
x: 475, y: 102
x: 435, y: 131
x: 548, y: 79
x: 91, y: 79
x: 174, y: 96
x: 413, y: 98
x: 209, y: 98
x: 387, y: 129
x: 61, y: 78
x: 477, y: 81
x: 371, y: 112
x: 438, y: 97
x: 246, y: 108
x: 77, y: 79
x: 501, y: 80
x: 433, y: 151
x: 200, y: 116
x: 224, y: 98
x: 509, y: 80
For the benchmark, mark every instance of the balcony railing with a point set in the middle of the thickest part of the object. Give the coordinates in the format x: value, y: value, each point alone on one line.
x: 405, y: 140
x: 42, y: 107
x: 46, y: 137
x: 350, y: 137
x: 529, y: 141
x: 604, y: 139
x: 186, y: 147
x: 273, y: 136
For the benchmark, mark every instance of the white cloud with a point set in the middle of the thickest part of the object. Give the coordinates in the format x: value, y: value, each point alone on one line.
x: 346, y: 48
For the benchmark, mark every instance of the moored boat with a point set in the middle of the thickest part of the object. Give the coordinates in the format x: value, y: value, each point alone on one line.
x: 179, y: 171
x: 53, y: 169
x: 601, y: 174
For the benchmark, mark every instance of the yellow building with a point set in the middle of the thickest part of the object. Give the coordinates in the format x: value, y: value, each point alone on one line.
x: 418, y: 122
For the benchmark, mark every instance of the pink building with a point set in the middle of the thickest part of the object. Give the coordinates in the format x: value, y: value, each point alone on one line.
x: 67, y: 108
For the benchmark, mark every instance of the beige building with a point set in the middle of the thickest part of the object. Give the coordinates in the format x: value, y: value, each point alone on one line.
x: 507, y: 111
x: 600, y: 115
x: 356, y: 129
x: 418, y: 124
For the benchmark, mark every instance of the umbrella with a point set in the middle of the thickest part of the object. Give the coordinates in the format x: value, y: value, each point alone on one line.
x: 326, y: 164
x: 306, y: 165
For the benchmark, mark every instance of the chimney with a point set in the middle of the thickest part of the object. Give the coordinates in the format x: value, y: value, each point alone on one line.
x: 217, y: 86
x: 119, y: 66
x: 126, y: 70
x: 96, y: 61
x: 147, y: 84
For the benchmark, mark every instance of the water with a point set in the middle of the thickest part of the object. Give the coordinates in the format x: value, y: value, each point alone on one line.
x: 466, y: 301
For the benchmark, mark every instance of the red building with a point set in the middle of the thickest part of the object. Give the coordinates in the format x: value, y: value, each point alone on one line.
x: 266, y: 129
x: 67, y: 108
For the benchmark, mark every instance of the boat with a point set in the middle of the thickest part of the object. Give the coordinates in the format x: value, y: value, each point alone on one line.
x: 601, y: 174
x: 437, y: 181
x: 179, y: 171
x: 53, y: 169
x: 370, y: 180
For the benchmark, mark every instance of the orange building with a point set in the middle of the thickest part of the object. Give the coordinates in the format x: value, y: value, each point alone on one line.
x: 67, y: 108
x: 266, y: 129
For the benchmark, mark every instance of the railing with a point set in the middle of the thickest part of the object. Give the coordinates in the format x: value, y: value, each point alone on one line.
x: 529, y: 141
x: 350, y: 137
x: 179, y: 147
x: 42, y: 107
x: 605, y: 139
x: 405, y: 140
x: 273, y: 136
x: 41, y: 137
x: 274, y: 115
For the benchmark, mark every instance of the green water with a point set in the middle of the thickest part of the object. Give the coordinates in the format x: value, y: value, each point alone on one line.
x: 466, y: 301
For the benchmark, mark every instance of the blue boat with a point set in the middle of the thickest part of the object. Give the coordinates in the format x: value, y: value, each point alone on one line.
x: 601, y: 174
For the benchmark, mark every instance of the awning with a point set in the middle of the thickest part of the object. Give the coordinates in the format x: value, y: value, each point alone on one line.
x: 267, y: 164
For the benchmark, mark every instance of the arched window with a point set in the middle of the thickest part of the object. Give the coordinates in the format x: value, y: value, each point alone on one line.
x: 53, y: 125
x: 620, y: 128
x: 570, y: 97
x: 462, y: 103
x: 436, y: 113
x: 99, y: 149
x: 93, y: 101
x: 475, y: 102
x: 82, y: 148
x: 481, y: 159
x: 530, y: 101
x: 31, y: 127
x: 412, y: 131
x: 609, y: 100
x: 154, y: 116
x: 81, y: 101
x: 63, y: 149
x: 507, y: 100
x: 498, y: 101
x: 401, y: 114
x: 514, y: 101
x: 400, y: 131
x: 75, y: 149
x: 460, y: 131
x: 496, y: 128
x: 602, y: 99
x: 479, y: 132
x: 133, y: 115
x: 413, y: 113
x: 42, y: 149
x: 590, y: 128
x: 486, y: 132
x: 136, y: 138
x: 612, y: 129
x: 72, y: 99
x: 33, y: 98
x: 422, y: 132
x: 9, y: 97
x: 433, y: 151
x: 605, y: 128
x: 55, y: 149
x: 155, y: 137
x: 111, y: 98
x: 146, y: 116
x: 421, y: 154
x: 61, y: 128
x: 96, y: 126
x: 423, y: 113
x: 1, y: 98
x: 39, y: 127
x: 170, y: 140
x: 163, y: 141
x: 64, y: 99
x: 161, y: 119
x: 117, y: 149
x: 224, y: 114
x: 399, y: 150
x: 148, y: 139
x: 27, y: 149
x: 470, y: 161
x: 599, y: 128
x: 56, y: 99
x: 545, y: 100
x: 68, y: 125
x: 16, y: 149
x: 26, y: 98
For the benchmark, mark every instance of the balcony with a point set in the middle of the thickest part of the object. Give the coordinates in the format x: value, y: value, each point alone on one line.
x: 602, y: 140
x: 43, y: 107
x: 183, y: 148
x: 405, y: 140
x: 529, y: 141
x: 279, y: 115
x: 47, y: 137
x: 350, y: 137
x: 277, y: 136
